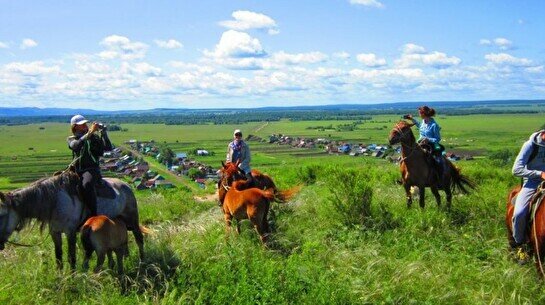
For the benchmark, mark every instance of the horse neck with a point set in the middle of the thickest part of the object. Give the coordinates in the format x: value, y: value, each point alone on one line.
x: 409, y: 150
x: 37, y: 200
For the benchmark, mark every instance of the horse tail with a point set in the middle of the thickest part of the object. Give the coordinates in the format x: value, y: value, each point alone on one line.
x: 459, y: 181
x: 144, y: 230
x: 284, y: 196
x: 86, y: 238
x: 268, y: 194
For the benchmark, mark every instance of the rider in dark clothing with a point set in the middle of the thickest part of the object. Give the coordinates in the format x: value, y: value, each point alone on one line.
x: 87, y: 148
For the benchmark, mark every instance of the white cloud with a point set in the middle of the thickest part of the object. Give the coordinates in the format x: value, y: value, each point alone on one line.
x: 123, y: 48
x: 500, y: 42
x: 28, y: 43
x: 503, y: 43
x: 411, y: 48
x: 234, y: 44
x: 371, y: 3
x: 434, y: 59
x: 507, y: 59
x: 4, y: 45
x: 371, y: 60
x: 341, y: 55
x: 299, y: 58
x: 536, y: 69
x: 169, y: 44
x: 34, y: 68
x: 245, y: 20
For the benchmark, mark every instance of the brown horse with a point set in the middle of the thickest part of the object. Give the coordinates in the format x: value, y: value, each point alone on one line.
x: 536, y: 234
x: 252, y: 204
x: 230, y: 172
x: 416, y: 168
x: 102, y: 235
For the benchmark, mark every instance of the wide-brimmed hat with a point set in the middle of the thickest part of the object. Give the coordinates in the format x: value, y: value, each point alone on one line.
x: 237, y: 131
x: 78, y: 119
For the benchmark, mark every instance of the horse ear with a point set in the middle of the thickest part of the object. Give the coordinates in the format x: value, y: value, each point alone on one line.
x: 222, y: 163
x: 411, y: 124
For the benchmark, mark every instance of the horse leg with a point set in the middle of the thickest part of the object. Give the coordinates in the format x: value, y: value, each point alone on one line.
x: 408, y: 194
x: 228, y: 219
x: 448, y: 191
x: 238, y: 226
x: 258, y: 225
x: 86, y: 258
x: 119, y: 255
x: 101, y: 256
x: 435, y: 192
x: 111, y: 263
x: 422, y: 193
x: 57, y: 240
x: 139, y: 238
x: 72, y: 249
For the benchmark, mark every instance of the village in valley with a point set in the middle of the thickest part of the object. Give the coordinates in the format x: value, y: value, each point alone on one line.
x: 128, y: 161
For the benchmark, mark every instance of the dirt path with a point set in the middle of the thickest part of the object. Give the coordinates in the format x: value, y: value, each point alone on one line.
x: 205, y: 198
x: 261, y: 127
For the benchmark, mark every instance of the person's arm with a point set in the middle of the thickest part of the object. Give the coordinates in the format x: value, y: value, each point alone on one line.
x: 106, y: 140
x: 520, y: 167
x: 228, y: 156
x: 76, y: 144
x: 415, y: 122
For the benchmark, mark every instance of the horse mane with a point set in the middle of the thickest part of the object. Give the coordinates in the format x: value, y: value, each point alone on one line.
x: 39, y: 198
x: 403, y: 124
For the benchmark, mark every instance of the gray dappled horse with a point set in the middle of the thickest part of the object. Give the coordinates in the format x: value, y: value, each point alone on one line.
x: 54, y: 202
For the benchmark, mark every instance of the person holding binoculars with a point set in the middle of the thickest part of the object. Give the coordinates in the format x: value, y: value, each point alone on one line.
x: 88, y: 145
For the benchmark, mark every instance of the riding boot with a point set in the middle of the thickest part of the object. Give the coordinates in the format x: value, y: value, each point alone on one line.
x: 439, y: 167
x: 89, y: 193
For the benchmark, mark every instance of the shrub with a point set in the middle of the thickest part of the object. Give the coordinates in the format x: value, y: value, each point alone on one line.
x: 195, y: 173
x: 307, y: 174
x: 351, y: 195
x: 503, y: 156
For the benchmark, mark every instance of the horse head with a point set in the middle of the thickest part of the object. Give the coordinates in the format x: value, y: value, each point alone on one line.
x: 8, y: 218
x: 401, y: 133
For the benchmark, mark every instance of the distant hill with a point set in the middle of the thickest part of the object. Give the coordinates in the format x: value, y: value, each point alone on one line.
x: 38, y: 112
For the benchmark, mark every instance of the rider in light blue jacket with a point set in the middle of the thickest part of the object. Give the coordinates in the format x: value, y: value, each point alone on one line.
x: 530, y: 165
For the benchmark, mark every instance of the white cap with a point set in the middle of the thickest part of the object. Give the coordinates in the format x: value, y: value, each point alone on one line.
x: 237, y: 131
x: 78, y: 119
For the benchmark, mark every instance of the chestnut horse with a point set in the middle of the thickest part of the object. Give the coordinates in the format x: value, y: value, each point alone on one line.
x: 230, y: 172
x: 252, y: 204
x: 102, y: 235
x: 416, y: 169
x: 536, y: 234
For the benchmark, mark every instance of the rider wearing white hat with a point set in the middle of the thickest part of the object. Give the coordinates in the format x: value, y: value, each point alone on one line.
x: 87, y: 148
x: 238, y: 150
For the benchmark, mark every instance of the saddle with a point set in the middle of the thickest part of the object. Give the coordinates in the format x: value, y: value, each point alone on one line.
x: 535, y: 202
x: 104, y: 189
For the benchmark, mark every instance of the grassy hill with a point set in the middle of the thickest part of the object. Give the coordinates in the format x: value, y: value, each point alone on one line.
x: 320, y: 253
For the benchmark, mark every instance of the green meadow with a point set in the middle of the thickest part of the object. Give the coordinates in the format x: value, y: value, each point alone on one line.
x: 320, y: 253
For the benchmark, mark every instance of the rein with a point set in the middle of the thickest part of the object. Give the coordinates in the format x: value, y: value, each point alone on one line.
x: 413, y: 148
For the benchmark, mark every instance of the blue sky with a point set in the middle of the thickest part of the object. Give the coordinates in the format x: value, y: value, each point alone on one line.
x: 203, y: 54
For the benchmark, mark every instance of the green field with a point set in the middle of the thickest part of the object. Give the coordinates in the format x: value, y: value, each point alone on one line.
x: 395, y: 256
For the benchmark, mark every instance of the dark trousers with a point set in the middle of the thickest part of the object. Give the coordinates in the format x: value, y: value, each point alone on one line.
x: 89, y: 179
x: 250, y: 179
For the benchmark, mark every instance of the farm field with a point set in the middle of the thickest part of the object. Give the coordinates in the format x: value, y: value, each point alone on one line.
x: 394, y: 256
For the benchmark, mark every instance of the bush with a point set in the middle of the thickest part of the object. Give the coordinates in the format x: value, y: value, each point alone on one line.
x: 195, y: 173
x: 307, y: 174
x: 503, y: 156
x: 351, y: 195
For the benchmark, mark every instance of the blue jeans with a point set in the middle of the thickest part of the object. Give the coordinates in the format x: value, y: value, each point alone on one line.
x: 522, y: 211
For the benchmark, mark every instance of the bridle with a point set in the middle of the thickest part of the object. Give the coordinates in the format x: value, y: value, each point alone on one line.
x: 402, y: 136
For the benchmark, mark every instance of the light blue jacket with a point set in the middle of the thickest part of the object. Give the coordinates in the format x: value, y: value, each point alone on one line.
x: 428, y: 130
x: 531, y: 171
